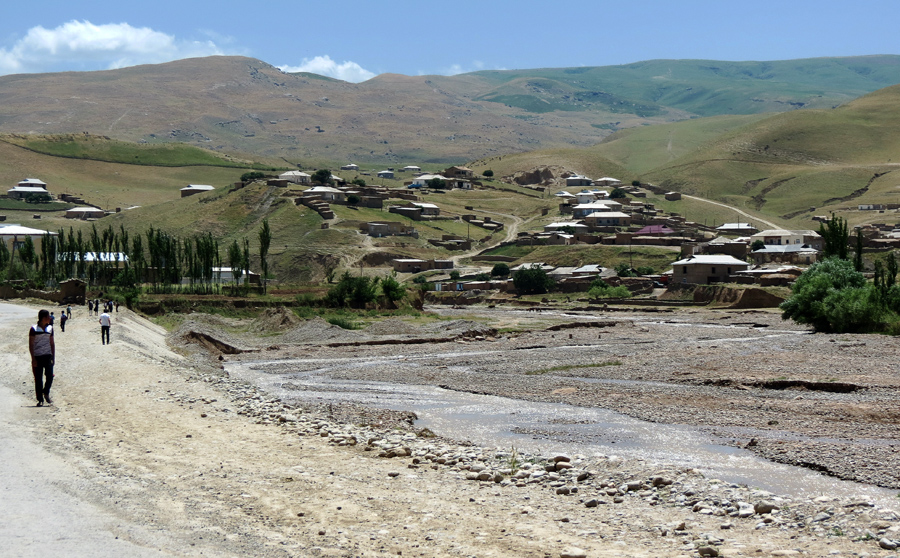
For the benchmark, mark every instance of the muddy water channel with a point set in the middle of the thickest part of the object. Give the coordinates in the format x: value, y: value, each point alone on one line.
x: 535, y: 427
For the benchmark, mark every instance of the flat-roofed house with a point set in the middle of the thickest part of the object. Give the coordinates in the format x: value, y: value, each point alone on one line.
x: 600, y: 219
x: 192, y: 189
x: 704, y: 269
x: 781, y: 237
x: 295, y: 176
x: 86, y: 212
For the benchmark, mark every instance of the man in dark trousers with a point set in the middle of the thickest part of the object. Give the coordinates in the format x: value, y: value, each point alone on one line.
x: 43, y: 354
x: 104, y: 327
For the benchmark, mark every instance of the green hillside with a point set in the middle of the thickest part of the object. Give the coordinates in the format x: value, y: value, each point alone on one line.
x: 795, y: 165
x: 701, y: 87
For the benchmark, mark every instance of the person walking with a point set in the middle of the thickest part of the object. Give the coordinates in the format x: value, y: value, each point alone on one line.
x: 105, y: 321
x: 90, y: 308
x: 69, y: 311
x: 43, y: 355
x: 62, y: 321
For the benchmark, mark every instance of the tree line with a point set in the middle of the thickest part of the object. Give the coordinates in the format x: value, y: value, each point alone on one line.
x: 156, y: 260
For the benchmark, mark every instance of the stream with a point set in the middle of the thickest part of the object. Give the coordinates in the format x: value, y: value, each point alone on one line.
x: 544, y: 428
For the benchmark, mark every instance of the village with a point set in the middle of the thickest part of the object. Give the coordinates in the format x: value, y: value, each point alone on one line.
x: 601, y: 211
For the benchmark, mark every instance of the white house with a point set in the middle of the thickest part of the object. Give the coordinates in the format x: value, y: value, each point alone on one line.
x: 574, y: 225
x: 780, y: 237
x: 411, y: 168
x: 386, y: 174
x: 295, y: 176
x: 17, y: 234
x: 607, y: 181
x: 327, y: 193
x: 350, y: 167
x: 607, y: 219
x: 85, y: 212
x: 425, y: 178
x: 582, y: 210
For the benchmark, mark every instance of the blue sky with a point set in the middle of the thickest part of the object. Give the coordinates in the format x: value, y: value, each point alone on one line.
x: 355, y: 40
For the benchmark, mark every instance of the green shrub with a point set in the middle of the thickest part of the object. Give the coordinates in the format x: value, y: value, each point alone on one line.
x: 602, y: 289
x: 532, y: 280
x: 832, y: 296
x: 500, y: 270
x: 250, y: 176
x: 342, y: 322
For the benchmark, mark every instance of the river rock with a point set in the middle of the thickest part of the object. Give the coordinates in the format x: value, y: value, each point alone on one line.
x: 573, y: 552
x: 764, y: 507
x: 707, y: 551
x: 888, y: 544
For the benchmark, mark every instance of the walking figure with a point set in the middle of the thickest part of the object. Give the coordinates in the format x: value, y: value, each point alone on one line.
x: 43, y: 355
x: 90, y: 308
x: 104, y: 328
x: 62, y: 321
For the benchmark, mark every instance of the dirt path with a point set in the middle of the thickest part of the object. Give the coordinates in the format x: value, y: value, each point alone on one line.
x: 769, y: 224
x: 165, y: 455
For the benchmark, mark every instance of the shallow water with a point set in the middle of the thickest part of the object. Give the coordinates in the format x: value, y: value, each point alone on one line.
x: 544, y: 428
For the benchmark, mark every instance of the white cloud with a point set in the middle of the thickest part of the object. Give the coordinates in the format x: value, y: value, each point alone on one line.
x: 455, y: 69
x: 325, y: 66
x: 82, y: 45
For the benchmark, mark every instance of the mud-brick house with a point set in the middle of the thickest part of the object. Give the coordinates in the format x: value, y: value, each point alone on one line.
x: 459, y: 172
x: 704, y: 269
x: 27, y: 187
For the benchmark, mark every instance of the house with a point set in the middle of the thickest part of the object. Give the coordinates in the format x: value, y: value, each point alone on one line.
x: 578, y: 180
x: 607, y: 181
x: 424, y: 179
x: 796, y: 254
x: 415, y: 265
x: 573, y: 225
x: 411, y: 168
x: 656, y: 230
x: 705, y: 269
x: 27, y: 187
x: 327, y: 193
x: 607, y: 219
x: 86, y: 212
x: 350, y: 167
x: 427, y: 208
x: 385, y: 174
x: 389, y: 228
x: 16, y: 235
x: 192, y: 189
x: 582, y: 210
x: 297, y: 177
x: 459, y: 172
x: 780, y: 237
x: 225, y: 275
x: 742, y: 229
x: 586, y: 196
x: 672, y: 196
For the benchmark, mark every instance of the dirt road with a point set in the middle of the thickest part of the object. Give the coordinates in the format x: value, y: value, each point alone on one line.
x: 148, y: 451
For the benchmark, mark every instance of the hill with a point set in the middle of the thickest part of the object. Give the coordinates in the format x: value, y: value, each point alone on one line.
x: 242, y: 105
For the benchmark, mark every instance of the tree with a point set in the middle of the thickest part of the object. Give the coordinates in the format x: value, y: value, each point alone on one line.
x: 235, y: 262
x: 322, y: 176
x: 635, y: 182
x: 857, y: 254
x: 437, y: 183
x: 488, y: 173
x: 265, y: 240
x: 392, y: 289
x: 358, y: 182
x: 532, y: 280
x: 624, y: 270
x: 618, y: 193
x: 500, y: 270
x: 251, y: 176
x: 757, y: 245
x: 834, y: 234
x: 352, y: 199
x: 602, y: 289
x: 454, y: 275
x: 830, y: 296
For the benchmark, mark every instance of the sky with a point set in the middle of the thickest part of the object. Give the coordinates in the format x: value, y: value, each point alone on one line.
x: 356, y: 40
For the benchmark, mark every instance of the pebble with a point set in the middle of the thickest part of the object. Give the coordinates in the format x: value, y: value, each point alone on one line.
x: 573, y: 552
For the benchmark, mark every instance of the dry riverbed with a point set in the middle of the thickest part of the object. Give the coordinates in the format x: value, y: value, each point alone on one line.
x: 165, y: 439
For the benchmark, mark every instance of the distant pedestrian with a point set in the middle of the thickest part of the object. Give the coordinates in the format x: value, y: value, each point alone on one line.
x: 62, y: 321
x: 105, y: 322
x: 69, y: 311
x: 52, y: 319
x: 90, y: 308
x: 43, y: 355
x: 117, y: 306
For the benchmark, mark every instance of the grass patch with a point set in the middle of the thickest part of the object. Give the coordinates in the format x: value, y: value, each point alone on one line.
x: 572, y: 367
x: 21, y: 205
x: 342, y: 322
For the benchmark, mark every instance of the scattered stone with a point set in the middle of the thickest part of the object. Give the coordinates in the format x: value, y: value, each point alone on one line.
x: 573, y: 552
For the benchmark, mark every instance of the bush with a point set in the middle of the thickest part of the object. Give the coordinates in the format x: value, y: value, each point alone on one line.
x: 532, y: 280
x: 602, y: 289
x: 253, y: 175
x: 635, y: 182
x: 757, y: 245
x: 342, y: 322
x: 482, y: 277
x: 353, y: 291
x: 832, y: 296
x: 500, y: 270
x: 392, y: 289
x: 645, y: 270
x: 454, y: 275
x: 617, y: 193
x: 352, y: 199
x: 624, y: 270
x: 488, y: 173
